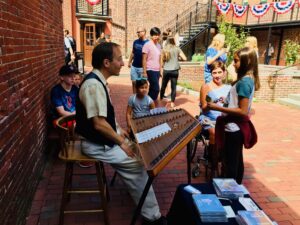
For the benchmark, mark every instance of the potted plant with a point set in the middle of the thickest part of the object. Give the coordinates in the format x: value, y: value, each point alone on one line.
x: 291, y: 52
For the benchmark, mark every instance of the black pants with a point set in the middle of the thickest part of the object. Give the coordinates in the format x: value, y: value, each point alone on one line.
x: 153, y: 78
x: 171, y: 75
x: 67, y: 59
x: 233, y: 156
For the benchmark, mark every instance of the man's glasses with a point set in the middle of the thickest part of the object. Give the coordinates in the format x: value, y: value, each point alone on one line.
x: 139, y: 31
x: 141, y: 78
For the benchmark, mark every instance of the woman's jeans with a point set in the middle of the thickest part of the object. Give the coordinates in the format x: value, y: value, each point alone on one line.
x: 171, y: 75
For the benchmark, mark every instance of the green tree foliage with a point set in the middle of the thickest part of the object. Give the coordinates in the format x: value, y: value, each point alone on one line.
x: 236, y: 40
x: 291, y: 52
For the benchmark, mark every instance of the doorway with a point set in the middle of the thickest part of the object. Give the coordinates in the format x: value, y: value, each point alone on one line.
x: 89, y: 42
x: 91, y: 32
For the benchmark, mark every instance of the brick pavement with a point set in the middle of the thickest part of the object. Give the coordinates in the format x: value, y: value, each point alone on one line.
x: 271, y: 175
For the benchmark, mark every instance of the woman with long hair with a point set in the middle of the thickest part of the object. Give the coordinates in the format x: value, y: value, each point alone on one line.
x: 170, y: 61
x: 235, y: 130
x: 215, y: 52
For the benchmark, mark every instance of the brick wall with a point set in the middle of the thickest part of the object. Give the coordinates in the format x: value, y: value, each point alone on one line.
x: 145, y: 13
x: 118, y: 35
x: 31, y: 52
x: 67, y: 16
x: 277, y: 86
x: 191, y: 72
x: 272, y: 87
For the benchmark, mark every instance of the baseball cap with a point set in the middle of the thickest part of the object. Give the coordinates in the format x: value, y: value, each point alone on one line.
x: 66, y: 70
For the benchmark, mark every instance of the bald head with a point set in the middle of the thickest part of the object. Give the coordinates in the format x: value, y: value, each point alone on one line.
x: 141, y: 32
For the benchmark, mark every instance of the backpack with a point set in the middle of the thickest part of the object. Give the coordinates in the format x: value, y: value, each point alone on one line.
x: 73, y: 44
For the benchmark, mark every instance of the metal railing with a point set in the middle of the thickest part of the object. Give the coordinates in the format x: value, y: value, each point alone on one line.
x: 101, y: 9
x: 272, y: 80
x: 205, y: 13
x: 284, y: 68
x: 195, y: 13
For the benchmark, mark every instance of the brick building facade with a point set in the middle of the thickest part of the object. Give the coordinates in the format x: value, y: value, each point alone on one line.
x: 123, y: 19
x: 125, y: 16
x: 31, y: 52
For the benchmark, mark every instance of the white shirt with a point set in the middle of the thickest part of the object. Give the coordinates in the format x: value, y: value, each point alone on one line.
x: 93, y: 96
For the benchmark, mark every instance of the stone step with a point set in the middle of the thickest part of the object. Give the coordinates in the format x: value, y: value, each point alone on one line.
x: 289, y: 102
x: 295, y: 97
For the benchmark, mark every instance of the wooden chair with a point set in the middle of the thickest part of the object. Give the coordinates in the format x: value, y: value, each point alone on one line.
x: 70, y: 152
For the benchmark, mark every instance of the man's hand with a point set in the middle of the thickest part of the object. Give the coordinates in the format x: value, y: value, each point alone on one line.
x: 124, y: 133
x: 129, y: 64
x: 128, y: 130
x: 127, y: 149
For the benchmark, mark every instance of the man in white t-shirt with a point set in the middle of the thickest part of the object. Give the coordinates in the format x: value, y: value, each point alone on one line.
x: 268, y: 56
x: 69, y: 53
x: 103, y: 138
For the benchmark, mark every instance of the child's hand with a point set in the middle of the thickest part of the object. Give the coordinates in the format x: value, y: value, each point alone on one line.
x: 212, y: 106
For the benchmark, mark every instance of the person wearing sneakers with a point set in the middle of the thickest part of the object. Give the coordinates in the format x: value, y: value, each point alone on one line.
x: 170, y: 61
x: 102, y: 138
x: 136, y: 57
x: 63, y: 98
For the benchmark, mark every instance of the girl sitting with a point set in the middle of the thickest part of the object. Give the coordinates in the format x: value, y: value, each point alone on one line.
x: 139, y: 104
x: 235, y: 128
x: 214, y: 91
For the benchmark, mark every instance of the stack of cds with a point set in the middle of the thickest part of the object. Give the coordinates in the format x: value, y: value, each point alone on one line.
x: 253, y: 218
x: 209, y: 208
x: 229, y: 188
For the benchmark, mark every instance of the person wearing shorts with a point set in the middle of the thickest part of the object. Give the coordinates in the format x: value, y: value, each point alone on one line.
x: 136, y: 57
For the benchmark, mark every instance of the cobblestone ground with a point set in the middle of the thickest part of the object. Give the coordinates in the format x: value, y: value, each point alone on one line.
x: 272, y: 172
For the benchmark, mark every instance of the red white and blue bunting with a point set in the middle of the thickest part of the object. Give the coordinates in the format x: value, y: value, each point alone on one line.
x: 257, y: 10
x: 223, y: 7
x: 260, y: 10
x: 283, y: 7
x: 239, y: 10
x: 93, y: 2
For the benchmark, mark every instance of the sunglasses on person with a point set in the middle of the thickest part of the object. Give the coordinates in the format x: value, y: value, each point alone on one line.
x: 139, y: 31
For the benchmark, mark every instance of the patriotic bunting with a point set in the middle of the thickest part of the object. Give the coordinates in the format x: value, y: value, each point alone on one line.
x: 239, y: 10
x: 257, y: 10
x: 283, y: 7
x: 93, y: 2
x: 260, y: 10
x: 223, y: 7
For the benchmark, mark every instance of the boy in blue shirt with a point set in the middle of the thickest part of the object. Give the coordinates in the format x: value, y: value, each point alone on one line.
x: 63, y: 95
